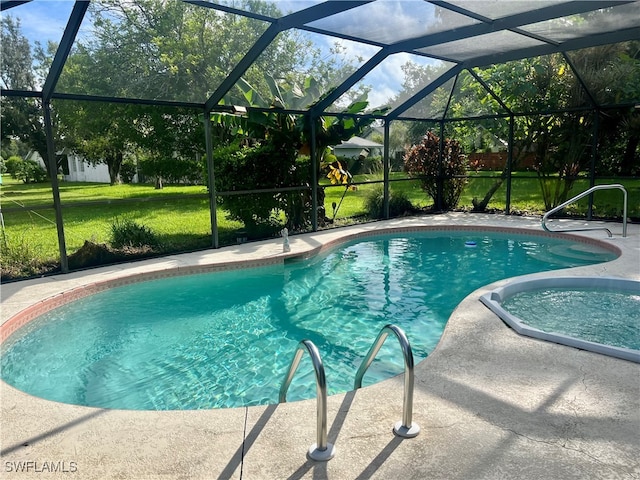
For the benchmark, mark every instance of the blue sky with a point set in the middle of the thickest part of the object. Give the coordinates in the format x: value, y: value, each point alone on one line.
x: 45, y: 20
x: 42, y: 20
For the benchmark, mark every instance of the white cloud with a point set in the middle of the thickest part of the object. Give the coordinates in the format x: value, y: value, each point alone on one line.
x: 42, y: 21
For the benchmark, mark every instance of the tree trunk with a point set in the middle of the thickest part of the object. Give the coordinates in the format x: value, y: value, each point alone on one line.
x: 44, y: 154
x: 114, y: 163
x: 481, y: 206
x: 322, y: 211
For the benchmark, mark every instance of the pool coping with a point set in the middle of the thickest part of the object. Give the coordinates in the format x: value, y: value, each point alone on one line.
x: 482, y: 397
x: 495, y: 298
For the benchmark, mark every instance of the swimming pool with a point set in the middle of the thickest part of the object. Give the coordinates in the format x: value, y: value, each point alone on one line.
x: 599, y: 314
x: 226, y: 339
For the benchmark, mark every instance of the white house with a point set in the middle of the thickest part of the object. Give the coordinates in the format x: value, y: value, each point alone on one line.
x: 35, y: 156
x: 80, y: 170
x: 77, y: 169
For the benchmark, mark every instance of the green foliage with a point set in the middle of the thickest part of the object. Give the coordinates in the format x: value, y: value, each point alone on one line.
x: 619, y: 143
x: 565, y: 152
x: 128, y: 170
x: 292, y: 133
x: 21, y: 118
x: 173, y: 139
x: 13, y: 164
x: 127, y: 233
x: 370, y: 165
x: 13, y: 147
x: 101, y: 132
x: 263, y: 166
x: 172, y: 170
x: 22, y: 256
x: 30, y: 171
x: 399, y: 203
x: 547, y: 84
x: 423, y: 161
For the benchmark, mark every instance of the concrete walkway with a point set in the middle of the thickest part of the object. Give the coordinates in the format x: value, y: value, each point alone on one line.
x: 490, y: 404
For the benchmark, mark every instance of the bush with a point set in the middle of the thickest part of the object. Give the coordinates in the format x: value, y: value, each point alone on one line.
x: 128, y: 233
x: 172, y: 170
x: 399, y: 203
x: 263, y: 166
x: 21, y: 258
x: 12, y: 164
x: 30, y: 171
x: 422, y: 161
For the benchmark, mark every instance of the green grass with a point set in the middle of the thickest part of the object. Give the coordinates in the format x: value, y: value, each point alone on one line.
x: 526, y: 195
x: 179, y: 215
x: 16, y: 193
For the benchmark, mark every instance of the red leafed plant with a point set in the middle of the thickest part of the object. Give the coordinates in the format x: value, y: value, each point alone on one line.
x: 422, y: 161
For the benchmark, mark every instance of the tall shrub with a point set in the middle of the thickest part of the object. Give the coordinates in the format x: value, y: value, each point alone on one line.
x: 13, y: 164
x: 423, y: 161
x: 263, y: 166
x: 29, y: 171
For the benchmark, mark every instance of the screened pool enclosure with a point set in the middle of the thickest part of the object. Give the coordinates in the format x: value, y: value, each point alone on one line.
x: 199, y: 124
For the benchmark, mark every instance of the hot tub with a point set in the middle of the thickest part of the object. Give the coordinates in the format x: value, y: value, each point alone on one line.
x: 598, y: 314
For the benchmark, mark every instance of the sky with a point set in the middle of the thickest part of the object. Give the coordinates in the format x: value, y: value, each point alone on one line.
x: 42, y: 20
x: 45, y: 20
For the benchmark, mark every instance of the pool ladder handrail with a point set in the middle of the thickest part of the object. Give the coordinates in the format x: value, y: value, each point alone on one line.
x: 321, y: 450
x: 584, y: 194
x: 404, y: 428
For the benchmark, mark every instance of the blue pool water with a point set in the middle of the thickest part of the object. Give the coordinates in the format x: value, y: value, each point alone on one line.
x: 227, y: 339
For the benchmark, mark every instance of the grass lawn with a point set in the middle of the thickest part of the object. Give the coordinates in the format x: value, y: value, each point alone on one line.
x: 179, y: 215
x: 526, y: 195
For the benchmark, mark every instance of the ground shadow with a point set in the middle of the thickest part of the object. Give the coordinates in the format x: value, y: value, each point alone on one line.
x: 248, y: 441
x: 52, y: 432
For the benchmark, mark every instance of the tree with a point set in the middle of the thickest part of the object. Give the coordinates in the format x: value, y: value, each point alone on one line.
x: 264, y: 165
x: 157, y: 50
x: 101, y: 132
x: 529, y: 85
x: 292, y: 133
x: 416, y: 77
x: 14, y: 147
x: 567, y: 146
x: 21, y: 117
x: 264, y: 154
x: 173, y: 143
x: 560, y: 143
x: 16, y: 60
x: 177, y: 51
x: 614, y: 73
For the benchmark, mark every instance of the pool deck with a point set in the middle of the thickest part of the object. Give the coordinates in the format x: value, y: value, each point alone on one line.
x: 490, y: 404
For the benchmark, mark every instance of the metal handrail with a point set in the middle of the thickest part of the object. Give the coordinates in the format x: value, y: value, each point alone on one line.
x: 404, y: 428
x: 321, y: 450
x: 584, y: 194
